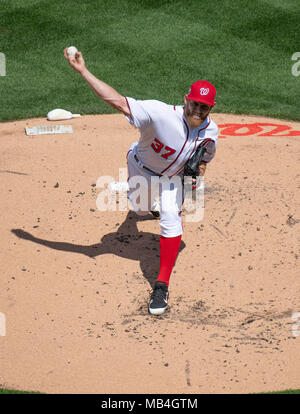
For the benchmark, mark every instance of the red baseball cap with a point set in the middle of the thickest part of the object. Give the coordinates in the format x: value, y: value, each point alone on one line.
x: 202, y: 91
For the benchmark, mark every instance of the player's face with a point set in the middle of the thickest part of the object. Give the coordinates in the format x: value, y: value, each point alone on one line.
x: 195, y: 112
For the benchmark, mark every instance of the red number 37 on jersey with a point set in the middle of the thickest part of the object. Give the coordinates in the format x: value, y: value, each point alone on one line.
x: 158, y: 146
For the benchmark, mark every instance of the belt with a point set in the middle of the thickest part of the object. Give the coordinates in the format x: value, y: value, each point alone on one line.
x: 143, y: 166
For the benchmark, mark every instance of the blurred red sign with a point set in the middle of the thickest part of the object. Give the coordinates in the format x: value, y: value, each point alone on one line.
x: 258, y: 129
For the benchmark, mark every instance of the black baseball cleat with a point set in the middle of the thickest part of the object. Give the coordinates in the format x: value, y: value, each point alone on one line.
x: 159, y: 298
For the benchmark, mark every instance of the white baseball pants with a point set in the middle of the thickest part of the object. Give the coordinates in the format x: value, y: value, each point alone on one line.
x: 145, y: 187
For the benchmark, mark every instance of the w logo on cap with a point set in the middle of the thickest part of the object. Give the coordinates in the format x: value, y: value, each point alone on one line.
x: 204, y: 91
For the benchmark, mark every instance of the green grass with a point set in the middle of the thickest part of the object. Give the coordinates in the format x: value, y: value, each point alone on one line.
x: 150, y: 49
x: 284, y: 392
x: 5, y: 391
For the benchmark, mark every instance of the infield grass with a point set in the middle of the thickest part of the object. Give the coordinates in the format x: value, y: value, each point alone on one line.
x: 150, y: 49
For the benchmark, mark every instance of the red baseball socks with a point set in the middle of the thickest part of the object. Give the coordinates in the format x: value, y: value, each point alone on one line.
x: 169, y: 247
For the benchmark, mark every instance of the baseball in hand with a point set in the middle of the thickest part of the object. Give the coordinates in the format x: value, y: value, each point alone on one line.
x: 71, y: 51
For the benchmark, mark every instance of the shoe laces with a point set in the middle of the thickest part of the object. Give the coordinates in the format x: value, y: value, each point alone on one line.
x: 159, y: 291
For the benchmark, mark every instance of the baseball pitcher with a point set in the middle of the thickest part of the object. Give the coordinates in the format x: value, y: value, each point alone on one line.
x: 174, y: 141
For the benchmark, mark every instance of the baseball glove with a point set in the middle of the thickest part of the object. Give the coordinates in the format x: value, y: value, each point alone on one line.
x: 191, y: 168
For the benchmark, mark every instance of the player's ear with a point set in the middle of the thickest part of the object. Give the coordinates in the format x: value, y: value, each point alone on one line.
x: 185, y: 98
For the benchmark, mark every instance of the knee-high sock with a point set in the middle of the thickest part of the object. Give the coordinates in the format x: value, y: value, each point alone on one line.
x: 169, y: 247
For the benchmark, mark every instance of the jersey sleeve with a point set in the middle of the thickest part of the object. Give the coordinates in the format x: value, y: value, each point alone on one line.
x: 140, y: 116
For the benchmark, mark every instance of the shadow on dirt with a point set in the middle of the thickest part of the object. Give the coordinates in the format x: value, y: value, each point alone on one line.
x: 127, y: 242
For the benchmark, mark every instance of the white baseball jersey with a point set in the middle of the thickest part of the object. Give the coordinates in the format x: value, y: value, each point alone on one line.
x: 167, y: 141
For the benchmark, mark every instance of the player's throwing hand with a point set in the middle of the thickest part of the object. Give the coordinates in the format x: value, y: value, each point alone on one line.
x: 76, y: 61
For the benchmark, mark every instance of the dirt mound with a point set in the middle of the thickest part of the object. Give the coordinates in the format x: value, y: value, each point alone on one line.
x: 76, y: 281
